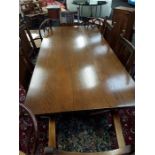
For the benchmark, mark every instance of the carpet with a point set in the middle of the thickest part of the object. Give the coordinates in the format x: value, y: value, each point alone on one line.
x: 83, y: 133
x: 80, y: 133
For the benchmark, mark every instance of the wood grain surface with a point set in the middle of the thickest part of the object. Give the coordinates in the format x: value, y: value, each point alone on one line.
x: 77, y: 70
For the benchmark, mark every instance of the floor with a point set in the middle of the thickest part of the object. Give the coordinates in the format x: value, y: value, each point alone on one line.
x: 80, y: 134
x: 77, y: 131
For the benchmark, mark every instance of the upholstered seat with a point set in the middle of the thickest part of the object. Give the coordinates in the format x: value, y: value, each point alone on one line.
x: 28, y: 130
x: 22, y: 94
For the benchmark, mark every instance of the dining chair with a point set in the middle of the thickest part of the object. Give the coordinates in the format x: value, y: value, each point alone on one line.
x: 125, y: 51
x: 96, y: 22
x: 22, y: 94
x: 127, y: 117
x: 123, y: 149
x: 32, y: 13
x: 108, y: 31
x: 103, y: 24
x: 27, y: 7
x: 28, y: 131
x: 25, y: 69
x: 130, y: 65
x: 69, y: 18
x: 89, y: 22
x: 27, y: 42
x: 45, y: 28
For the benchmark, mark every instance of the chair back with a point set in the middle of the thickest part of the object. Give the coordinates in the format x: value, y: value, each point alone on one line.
x: 27, y: 42
x: 130, y: 66
x: 25, y: 69
x: 125, y: 51
x: 30, y: 7
x: 28, y: 130
x: 68, y: 17
x: 45, y: 28
x: 27, y: 7
x: 109, y: 33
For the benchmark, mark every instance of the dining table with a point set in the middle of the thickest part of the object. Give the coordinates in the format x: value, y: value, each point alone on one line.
x: 76, y: 70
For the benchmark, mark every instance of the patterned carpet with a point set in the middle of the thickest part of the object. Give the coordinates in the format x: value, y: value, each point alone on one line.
x: 83, y: 133
x: 78, y: 132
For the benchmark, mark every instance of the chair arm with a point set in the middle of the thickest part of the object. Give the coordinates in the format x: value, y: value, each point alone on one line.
x: 37, y: 38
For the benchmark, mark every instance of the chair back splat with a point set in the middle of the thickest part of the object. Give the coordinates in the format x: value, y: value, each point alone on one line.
x: 45, y: 28
x: 25, y: 68
x: 69, y: 18
x: 27, y: 42
x: 122, y: 47
x: 125, y: 51
x: 110, y: 33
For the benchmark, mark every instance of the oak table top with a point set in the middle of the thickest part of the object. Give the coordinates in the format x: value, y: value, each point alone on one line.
x: 77, y: 70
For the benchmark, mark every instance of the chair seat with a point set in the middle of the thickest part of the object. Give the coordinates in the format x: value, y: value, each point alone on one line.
x: 28, y: 130
x: 36, y: 37
x: 127, y: 116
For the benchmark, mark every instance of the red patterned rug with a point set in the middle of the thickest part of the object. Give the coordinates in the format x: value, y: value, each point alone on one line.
x: 83, y: 134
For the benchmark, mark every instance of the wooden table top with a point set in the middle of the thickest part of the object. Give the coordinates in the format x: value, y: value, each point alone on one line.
x: 77, y: 70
